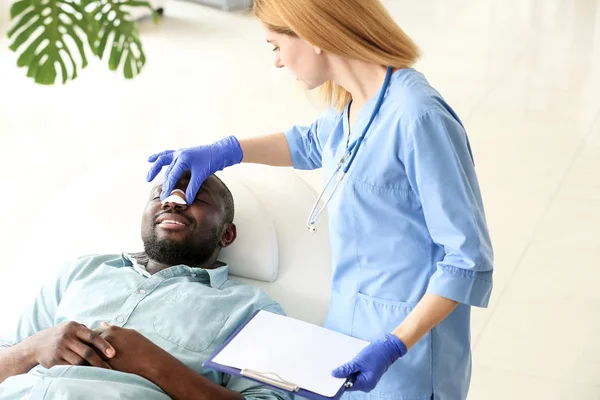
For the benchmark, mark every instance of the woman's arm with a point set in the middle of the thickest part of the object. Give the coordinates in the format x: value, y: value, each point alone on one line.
x: 430, y: 311
x: 268, y: 149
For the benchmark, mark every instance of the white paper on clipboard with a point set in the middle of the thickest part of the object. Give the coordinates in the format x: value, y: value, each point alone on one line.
x: 298, y: 352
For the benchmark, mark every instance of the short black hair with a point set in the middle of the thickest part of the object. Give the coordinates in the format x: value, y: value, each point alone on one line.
x: 227, y: 199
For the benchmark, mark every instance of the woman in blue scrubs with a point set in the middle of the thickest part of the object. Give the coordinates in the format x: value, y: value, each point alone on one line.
x: 411, y: 249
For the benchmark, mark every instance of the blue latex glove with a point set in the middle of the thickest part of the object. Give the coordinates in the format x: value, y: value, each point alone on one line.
x: 372, y: 362
x: 203, y: 161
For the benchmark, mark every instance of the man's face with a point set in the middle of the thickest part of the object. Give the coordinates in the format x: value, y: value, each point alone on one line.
x: 186, y: 234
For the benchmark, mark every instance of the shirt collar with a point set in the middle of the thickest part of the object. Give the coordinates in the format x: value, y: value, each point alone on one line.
x: 217, y: 276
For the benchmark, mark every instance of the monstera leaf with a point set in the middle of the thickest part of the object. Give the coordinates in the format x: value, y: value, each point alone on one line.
x: 113, y: 25
x: 55, y: 36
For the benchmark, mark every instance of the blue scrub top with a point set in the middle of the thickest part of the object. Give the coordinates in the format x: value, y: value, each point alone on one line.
x: 408, y: 219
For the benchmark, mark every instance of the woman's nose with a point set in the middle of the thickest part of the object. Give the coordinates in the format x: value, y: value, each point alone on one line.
x: 278, y: 63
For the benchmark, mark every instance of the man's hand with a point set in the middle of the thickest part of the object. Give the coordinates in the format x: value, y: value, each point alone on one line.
x: 69, y: 343
x: 138, y: 355
x: 135, y: 353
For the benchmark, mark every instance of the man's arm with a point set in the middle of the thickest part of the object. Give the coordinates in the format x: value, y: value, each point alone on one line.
x: 35, y: 339
x: 138, y: 355
x: 68, y: 343
x: 15, y: 360
x: 181, y: 382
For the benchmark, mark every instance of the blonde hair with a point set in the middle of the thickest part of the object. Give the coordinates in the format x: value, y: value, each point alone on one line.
x: 354, y: 29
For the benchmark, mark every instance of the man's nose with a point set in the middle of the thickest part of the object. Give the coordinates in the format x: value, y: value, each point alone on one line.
x: 171, y: 205
x: 175, y: 201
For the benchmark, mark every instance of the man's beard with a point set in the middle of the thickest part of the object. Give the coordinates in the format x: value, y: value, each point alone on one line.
x: 187, y: 251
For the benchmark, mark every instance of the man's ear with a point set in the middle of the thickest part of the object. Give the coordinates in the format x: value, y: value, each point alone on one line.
x: 229, y: 235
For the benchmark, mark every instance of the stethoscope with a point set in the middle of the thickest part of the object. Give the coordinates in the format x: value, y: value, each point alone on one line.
x: 344, y: 164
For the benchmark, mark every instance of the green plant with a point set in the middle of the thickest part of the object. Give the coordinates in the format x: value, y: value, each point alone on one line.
x: 52, y: 36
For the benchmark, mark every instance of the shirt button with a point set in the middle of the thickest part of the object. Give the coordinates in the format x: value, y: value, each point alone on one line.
x: 120, y: 319
x: 142, y: 291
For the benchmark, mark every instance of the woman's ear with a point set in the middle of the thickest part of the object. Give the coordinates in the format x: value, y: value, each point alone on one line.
x: 318, y: 50
x: 229, y: 235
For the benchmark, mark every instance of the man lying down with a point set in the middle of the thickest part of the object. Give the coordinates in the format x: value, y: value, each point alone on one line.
x: 167, y: 310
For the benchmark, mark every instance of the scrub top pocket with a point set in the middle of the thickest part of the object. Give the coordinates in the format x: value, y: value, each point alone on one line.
x: 374, y: 317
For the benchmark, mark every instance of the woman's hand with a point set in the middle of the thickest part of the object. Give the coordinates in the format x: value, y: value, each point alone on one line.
x: 372, y: 362
x: 202, y: 161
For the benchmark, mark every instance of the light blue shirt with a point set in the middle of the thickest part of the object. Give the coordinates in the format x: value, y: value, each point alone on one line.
x: 408, y: 219
x: 186, y: 311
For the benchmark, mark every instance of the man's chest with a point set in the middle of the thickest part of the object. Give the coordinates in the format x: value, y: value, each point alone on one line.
x: 185, y: 318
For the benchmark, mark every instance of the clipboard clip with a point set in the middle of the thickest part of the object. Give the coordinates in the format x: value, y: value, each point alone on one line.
x: 350, y: 380
x: 277, y: 382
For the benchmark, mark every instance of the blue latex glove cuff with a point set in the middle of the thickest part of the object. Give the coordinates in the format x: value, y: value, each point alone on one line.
x: 231, y: 151
x: 396, y: 346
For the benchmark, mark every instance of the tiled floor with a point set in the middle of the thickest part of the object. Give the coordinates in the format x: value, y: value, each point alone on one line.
x: 523, y: 74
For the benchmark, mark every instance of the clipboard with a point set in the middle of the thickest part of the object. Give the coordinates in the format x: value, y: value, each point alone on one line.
x: 273, y: 378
